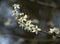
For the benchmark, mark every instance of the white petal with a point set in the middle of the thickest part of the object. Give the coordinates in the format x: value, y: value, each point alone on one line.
x: 25, y: 16
x: 39, y: 29
x: 21, y: 13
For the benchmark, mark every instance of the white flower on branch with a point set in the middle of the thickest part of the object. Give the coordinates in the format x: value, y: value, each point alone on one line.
x: 22, y: 19
x: 21, y: 24
x: 54, y: 30
x: 28, y: 25
x: 36, y: 29
x: 15, y: 12
x: 16, y: 6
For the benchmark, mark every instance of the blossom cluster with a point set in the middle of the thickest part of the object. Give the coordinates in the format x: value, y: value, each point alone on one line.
x: 27, y: 24
x: 23, y: 20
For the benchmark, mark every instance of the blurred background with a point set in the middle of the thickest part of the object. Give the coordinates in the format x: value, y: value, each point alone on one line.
x: 46, y: 13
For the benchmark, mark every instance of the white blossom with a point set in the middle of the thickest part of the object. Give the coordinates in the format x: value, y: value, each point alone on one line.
x: 16, y: 6
x: 54, y: 30
x: 15, y: 12
x: 21, y: 19
x: 36, y: 29
x: 29, y: 26
x: 21, y: 24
